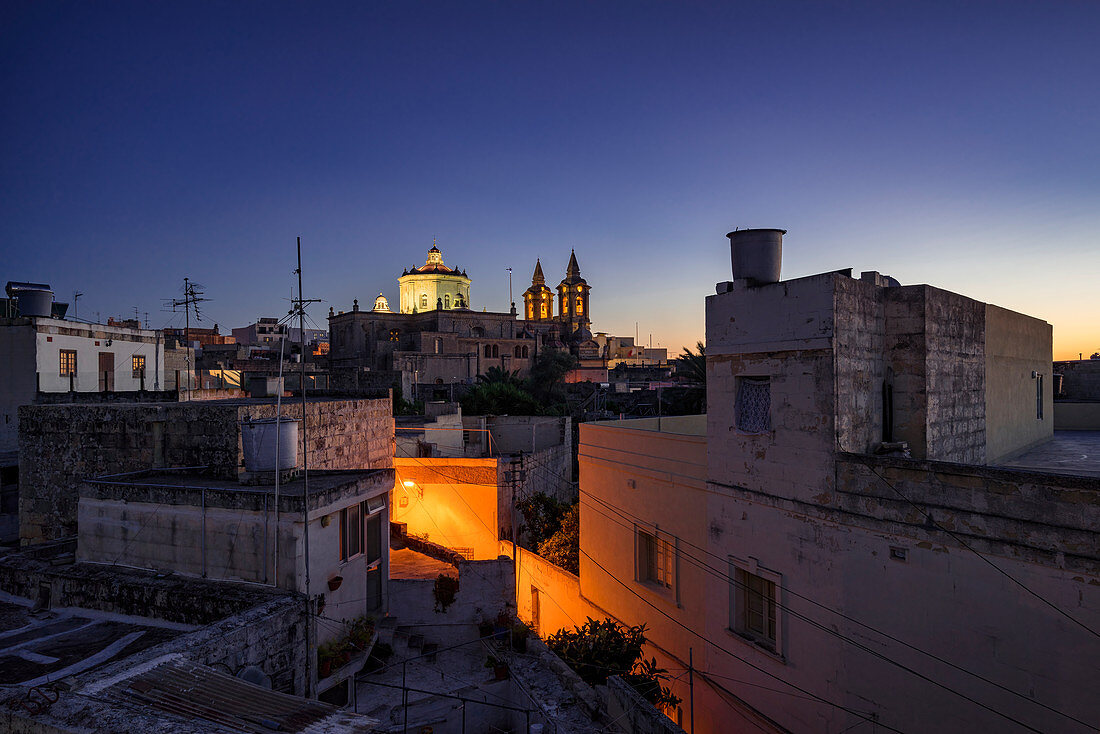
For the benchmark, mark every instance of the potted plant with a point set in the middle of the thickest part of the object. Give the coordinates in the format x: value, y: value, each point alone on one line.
x: 500, y: 668
x: 334, y: 583
x: 520, y: 633
x: 360, y: 632
x: 445, y: 589
x: 326, y: 655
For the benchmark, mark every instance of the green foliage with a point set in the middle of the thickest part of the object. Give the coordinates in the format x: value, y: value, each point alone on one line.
x: 542, y: 517
x: 404, y: 407
x: 693, y: 365
x: 599, y: 649
x: 500, y: 398
x: 498, y: 374
x: 563, y: 547
x: 547, y: 379
x: 445, y: 589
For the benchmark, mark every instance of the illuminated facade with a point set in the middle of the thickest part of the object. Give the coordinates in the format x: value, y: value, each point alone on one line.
x: 538, y: 300
x: 572, y: 299
x: 434, y: 286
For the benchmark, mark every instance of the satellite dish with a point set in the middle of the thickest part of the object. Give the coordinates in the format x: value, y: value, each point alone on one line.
x: 255, y: 676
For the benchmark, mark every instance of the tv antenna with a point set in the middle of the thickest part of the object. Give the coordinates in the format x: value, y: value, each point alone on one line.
x: 192, y: 297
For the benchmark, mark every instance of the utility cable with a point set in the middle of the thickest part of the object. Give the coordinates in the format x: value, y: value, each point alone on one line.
x: 717, y: 573
x: 970, y: 548
x: 732, y: 654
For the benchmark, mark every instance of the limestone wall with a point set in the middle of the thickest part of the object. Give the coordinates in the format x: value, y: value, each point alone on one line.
x: 61, y: 445
x: 1017, y: 348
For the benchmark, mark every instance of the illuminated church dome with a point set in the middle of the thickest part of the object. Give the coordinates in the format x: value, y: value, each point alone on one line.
x: 381, y: 304
x: 434, y: 286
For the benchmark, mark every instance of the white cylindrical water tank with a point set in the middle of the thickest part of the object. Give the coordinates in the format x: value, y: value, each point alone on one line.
x: 259, y: 439
x: 757, y: 254
x: 35, y: 302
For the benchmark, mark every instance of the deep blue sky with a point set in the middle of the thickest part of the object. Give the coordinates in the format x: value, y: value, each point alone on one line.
x: 953, y: 144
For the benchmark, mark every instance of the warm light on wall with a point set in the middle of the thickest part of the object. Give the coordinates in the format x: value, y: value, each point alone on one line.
x: 409, y: 484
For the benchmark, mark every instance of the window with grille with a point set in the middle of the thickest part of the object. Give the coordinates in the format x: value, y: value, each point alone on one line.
x: 656, y: 560
x: 68, y: 362
x: 137, y: 363
x: 754, y: 402
x: 753, y: 605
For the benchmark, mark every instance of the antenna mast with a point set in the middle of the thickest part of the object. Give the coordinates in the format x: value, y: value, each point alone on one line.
x: 191, y: 299
x: 300, y: 309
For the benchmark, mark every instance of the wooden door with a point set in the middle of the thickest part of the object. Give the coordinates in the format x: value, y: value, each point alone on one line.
x: 106, y: 371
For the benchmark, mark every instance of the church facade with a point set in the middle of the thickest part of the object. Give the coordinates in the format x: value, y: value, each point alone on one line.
x: 435, y: 339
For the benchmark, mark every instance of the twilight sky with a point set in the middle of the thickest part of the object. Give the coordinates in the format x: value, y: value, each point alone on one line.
x: 954, y: 144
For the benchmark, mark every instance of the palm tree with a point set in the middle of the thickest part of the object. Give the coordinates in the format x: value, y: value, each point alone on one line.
x: 693, y: 365
x: 499, y: 374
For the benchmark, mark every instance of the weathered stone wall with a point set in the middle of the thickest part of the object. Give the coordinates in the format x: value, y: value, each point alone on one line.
x: 956, y: 377
x: 341, y: 434
x: 126, y: 591
x: 784, y: 332
x: 1040, y: 518
x: 61, y: 445
x: 859, y: 352
x: 1080, y: 379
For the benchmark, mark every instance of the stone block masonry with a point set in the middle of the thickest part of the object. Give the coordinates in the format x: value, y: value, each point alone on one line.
x: 61, y: 445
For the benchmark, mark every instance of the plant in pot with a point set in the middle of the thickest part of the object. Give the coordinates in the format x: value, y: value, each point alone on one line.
x: 445, y: 589
x: 520, y: 633
x: 500, y: 668
x: 360, y: 632
x: 326, y: 656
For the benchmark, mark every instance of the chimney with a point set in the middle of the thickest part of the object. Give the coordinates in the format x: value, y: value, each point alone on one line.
x: 757, y: 254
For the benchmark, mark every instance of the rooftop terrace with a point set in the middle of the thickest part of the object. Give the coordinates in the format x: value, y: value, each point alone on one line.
x: 1076, y: 453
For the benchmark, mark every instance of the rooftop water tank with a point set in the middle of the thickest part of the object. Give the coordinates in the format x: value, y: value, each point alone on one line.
x: 259, y: 439
x: 34, y: 301
x: 757, y: 254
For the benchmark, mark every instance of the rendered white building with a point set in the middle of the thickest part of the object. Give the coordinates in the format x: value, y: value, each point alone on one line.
x: 41, y: 353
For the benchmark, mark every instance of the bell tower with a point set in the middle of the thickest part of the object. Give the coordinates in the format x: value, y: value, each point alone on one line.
x: 573, y: 298
x: 538, y: 300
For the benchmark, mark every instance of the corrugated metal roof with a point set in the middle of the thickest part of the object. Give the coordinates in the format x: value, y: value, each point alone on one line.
x: 194, y: 691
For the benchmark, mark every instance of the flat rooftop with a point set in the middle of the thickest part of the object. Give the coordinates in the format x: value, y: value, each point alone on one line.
x: 1076, y: 453
x: 682, y: 425
x: 319, y: 481
x: 41, y: 646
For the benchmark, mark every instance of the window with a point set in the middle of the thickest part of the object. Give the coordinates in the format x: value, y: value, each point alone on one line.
x: 68, y: 362
x: 580, y: 305
x: 423, y: 300
x: 447, y: 301
x: 438, y: 346
x: 1038, y: 396
x: 488, y: 351
x: 517, y: 352
x: 361, y: 530
x: 394, y: 335
x: 753, y: 408
x: 137, y: 362
x: 351, y: 531
x: 525, y: 353
x: 656, y: 560
x: 753, y: 604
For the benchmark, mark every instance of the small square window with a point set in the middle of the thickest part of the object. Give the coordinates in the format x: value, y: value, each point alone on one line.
x: 754, y: 402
